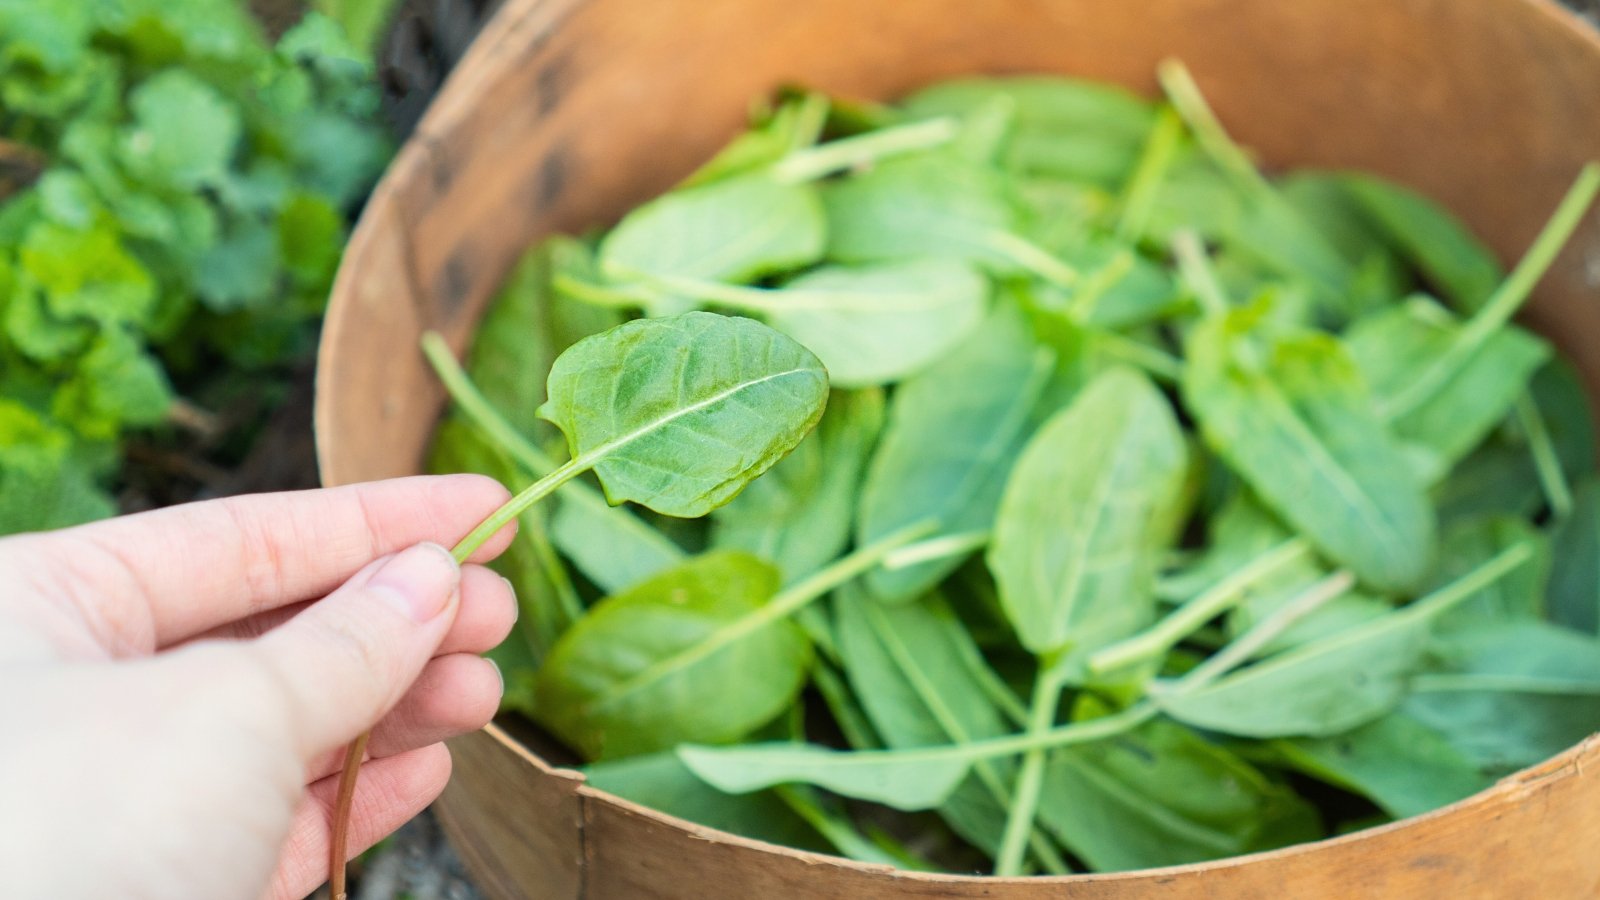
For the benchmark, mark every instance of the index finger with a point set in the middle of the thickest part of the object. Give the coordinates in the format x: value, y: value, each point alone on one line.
x: 150, y: 579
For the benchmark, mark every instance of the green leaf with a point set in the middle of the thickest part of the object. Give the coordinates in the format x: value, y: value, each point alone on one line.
x: 907, y: 664
x: 184, y: 132
x: 240, y: 271
x: 86, y: 275
x: 1063, y: 128
x: 42, y: 486
x: 871, y: 324
x: 680, y: 413
x: 1511, y: 696
x: 115, y: 384
x: 1398, y: 763
x: 610, y: 545
x: 1393, y: 347
x: 1519, y: 596
x: 932, y: 205
x: 1163, y: 796
x: 310, y: 236
x: 1292, y: 416
x: 798, y: 516
x: 1431, y: 239
x: 864, y: 776
x: 1575, y: 570
x: 661, y: 782
x: 649, y: 668
x: 1331, y: 685
x: 734, y: 230
x: 952, y: 436
x: 1085, y: 516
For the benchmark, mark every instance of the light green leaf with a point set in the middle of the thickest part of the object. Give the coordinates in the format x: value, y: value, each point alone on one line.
x: 1430, y: 238
x: 734, y: 230
x: 680, y: 413
x: 661, y: 782
x: 1511, y: 696
x: 1398, y: 763
x: 1085, y: 516
x: 1519, y: 596
x: 648, y: 669
x: 1163, y: 796
x: 881, y: 778
x: 953, y: 433
x: 1292, y: 416
x: 184, y: 133
x: 798, y: 516
x: 1393, y: 347
x: 610, y: 545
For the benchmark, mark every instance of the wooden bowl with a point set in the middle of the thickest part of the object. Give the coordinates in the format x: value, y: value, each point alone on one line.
x: 568, y: 112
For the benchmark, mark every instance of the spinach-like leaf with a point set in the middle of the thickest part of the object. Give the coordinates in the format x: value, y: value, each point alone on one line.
x: 953, y: 433
x: 1331, y: 685
x: 733, y: 230
x: 647, y: 668
x: 865, y: 776
x: 869, y: 324
x: 1078, y: 130
x: 1086, y: 514
x: 610, y: 545
x: 1397, y: 762
x: 661, y: 782
x: 1575, y: 570
x: 1291, y: 414
x: 1430, y: 238
x: 1164, y: 796
x: 1519, y: 596
x: 1393, y: 348
x: 933, y: 205
x: 1511, y: 696
x: 798, y: 516
x: 680, y: 413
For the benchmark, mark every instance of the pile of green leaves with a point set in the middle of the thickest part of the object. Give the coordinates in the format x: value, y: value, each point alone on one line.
x: 1159, y: 513
x: 182, y: 210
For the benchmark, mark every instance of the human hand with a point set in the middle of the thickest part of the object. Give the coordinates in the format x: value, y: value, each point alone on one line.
x: 174, y: 697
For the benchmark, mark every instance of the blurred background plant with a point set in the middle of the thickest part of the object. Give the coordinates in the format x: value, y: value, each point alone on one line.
x: 175, y: 192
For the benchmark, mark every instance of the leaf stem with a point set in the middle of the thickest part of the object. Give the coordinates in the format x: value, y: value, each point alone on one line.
x: 514, y: 507
x: 1192, y: 106
x: 1139, y: 196
x: 1262, y: 633
x: 1204, y: 607
x: 1194, y: 267
x: 339, y: 841
x: 1030, y: 779
x: 1508, y: 684
x: 471, y: 401
x: 812, y: 163
x: 943, y: 546
x: 1545, y: 459
x: 1506, y: 300
x: 1032, y: 257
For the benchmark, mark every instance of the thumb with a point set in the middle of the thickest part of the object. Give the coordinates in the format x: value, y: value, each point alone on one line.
x: 346, y: 659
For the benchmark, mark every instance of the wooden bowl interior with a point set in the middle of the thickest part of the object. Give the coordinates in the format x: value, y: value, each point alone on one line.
x: 568, y: 112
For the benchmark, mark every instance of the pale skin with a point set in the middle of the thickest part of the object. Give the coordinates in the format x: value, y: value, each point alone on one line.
x: 176, y: 687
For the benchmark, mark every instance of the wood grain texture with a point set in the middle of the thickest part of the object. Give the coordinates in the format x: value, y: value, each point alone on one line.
x: 568, y: 112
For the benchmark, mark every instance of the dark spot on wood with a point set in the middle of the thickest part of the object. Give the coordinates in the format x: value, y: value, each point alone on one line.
x: 441, y: 165
x: 555, y: 173
x: 454, y: 284
x: 550, y: 83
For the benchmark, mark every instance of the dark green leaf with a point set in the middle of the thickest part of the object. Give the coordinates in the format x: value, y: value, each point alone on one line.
x: 1401, y: 765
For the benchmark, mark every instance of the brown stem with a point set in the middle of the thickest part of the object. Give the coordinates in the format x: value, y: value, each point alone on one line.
x: 340, y: 841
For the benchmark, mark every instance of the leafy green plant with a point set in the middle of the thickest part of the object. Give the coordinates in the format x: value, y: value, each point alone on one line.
x: 182, y: 213
x: 1161, y: 511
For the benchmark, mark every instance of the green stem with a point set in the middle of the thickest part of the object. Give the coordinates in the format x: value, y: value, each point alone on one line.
x: 1095, y: 285
x: 1191, y: 105
x: 1030, y: 779
x: 822, y: 160
x: 1545, y: 459
x: 597, y: 294
x: 952, y: 726
x: 936, y: 548
x: 1032, y: 257
x: 1153, y: 361
x: 1188, y: 618
x: 483, y: 416
x: 1462, y: 589
x: 514, y: 507
x: 1194, y: 267
x: 1139, y: 197
x: 1251, y: 642
x: 1506, y: 300
x: 570, y: 606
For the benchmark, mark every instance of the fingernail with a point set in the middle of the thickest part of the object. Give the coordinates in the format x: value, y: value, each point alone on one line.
x: 516, y: 608
x: 498, y: 674
x: 419, y: 581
